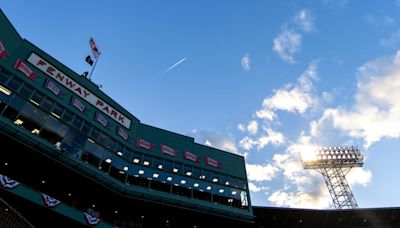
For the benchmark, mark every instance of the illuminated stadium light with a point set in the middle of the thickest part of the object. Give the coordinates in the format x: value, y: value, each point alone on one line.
x: 169, y: 178
x: 175, y: 170
x: 155, y: 175
x: 333, y: 157
x: 188, y: 173
x: 221, y: 191
x: 136, y: 160
x: 183, y: 182
x: 234, y: 192
x: 119, y: 153
x: 146, y: 163
x: 227, y: 183
x: 196, y: 185
x: 334, y: 163
x: 208, y: 188
x: 126, y: 168
x: 18, y: 122
x: 141, y: 172
x: 108, y: 160
x: 160, y: 166
x: 215, y: 179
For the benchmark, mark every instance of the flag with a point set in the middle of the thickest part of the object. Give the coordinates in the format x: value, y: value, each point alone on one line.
x: 95, y: 51
x: 85, y: 74
x: 167, y: 150
x: 24, y: 68
x: 190, y: 156
x: 89, y: 60
x: 212, y: 162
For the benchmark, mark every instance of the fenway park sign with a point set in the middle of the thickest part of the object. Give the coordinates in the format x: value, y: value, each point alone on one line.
x: 78, y: 89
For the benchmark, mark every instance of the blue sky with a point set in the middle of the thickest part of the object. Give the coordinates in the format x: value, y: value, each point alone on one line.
x: 265, y: 79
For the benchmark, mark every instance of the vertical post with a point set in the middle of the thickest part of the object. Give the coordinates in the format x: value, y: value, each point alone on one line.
x: 94, y: 65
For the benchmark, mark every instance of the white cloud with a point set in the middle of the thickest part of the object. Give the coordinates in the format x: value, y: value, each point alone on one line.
x: 241, y: 127
x: 217, y: 140
x: 295, y: 99
x: 287, y: 44
x: 274, y: 137
x: 305, y: 20
x: 258, y: 173
x: 252, y: 127
x: 375, y: 113
x: 359, y: 176
x: 247, y: 143
x: 255, y: 188
x: 245, y: 62
x: 393, y: 41
x: 316, y: 197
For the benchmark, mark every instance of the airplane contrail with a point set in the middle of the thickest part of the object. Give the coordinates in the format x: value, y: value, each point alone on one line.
x: 175, y: 65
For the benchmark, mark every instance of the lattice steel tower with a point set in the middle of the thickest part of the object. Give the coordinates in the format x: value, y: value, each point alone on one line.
x: 334, y: 163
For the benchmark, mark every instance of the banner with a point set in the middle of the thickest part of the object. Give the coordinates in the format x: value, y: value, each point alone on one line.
x: 121, y: 132
x: 8, y: 182
x: 49, y: 201
x: 78, y: 104
x: 3, y: 51
x: 24, y: 68
x: 167, y: 150
x: 101, y: 119
x: 190, y: 156
x: 52, y: 87
x: 212, y: 162
x: 144, y: 144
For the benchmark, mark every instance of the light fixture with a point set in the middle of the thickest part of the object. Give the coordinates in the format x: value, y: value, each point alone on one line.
x: 188, y: 173
x: 208, y: 188
x: 202, y: 177
x: 155, y: 175
x: 234, y: 192
x: 5, y: 90
x: 136, y: 160
x: 55, y: 115
x: 141, y: 172
x: 108, y: 160
x: 196, y: 185
x: 221, y: 190
x: 175, y: 170
x: 35, y: 131
x: 183, y: 182
x: 169, y: 178
x: 18, y: 122
x: 119, y: 153
x: 146, y: 163
x: 215, y: 179
x: 159, y: 166
x: 126, y: 168
x: 227, y: 183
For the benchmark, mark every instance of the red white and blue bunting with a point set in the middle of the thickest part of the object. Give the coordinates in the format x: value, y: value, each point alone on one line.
x: 8, y: 182
x: 49, y: 201
x: 91, y: 219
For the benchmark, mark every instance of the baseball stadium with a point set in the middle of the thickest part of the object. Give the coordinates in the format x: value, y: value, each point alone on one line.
x: 71, y: 156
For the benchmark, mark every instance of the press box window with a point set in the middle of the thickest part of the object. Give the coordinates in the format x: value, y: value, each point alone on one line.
x: 14, y: 84
x: 37, y: 98
x: 26, y: 91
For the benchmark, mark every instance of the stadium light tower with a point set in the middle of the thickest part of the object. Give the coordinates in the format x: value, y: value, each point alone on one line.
x: 334, y: 163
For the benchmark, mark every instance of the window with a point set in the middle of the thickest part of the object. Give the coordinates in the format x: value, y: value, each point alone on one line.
x: 67, y: 116
x: 26, y: 91
x: 47, y: 104
x: 86, y: 128
x: 77, y: 122
x: 14, y: 84
x: 95, y: 133
x: 37, y: 98
x: 3, y: 77
x: 58, y: 111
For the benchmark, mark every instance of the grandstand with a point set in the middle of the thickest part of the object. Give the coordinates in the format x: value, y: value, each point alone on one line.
x: 73, y: 157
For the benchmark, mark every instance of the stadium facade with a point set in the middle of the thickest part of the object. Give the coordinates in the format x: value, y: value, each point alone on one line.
x: 73, y: 157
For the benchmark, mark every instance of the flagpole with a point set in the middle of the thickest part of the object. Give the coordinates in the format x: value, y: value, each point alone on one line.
x: 94, y: 65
